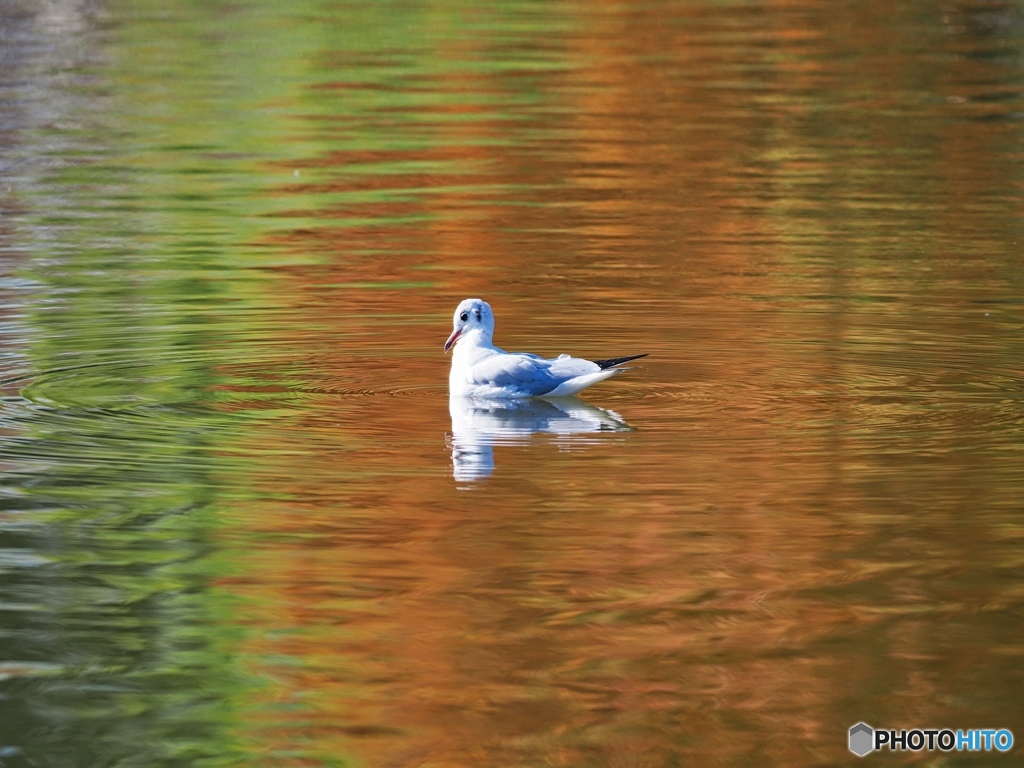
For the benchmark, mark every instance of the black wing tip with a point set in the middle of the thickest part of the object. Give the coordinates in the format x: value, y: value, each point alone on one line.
x: 613, y: 361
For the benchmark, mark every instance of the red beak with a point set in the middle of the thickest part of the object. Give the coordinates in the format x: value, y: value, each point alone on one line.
x: 452, y: 339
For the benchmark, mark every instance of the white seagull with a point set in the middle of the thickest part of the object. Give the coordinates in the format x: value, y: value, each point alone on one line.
x: 480, y: 369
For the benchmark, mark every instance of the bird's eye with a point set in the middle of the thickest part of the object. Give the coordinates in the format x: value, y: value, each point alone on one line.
x: 464, y: 316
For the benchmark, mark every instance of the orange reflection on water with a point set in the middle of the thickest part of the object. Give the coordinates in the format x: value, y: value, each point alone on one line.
x: 779, y: 549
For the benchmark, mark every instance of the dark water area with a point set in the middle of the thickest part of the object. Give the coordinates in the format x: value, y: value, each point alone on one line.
x: 242, y: 524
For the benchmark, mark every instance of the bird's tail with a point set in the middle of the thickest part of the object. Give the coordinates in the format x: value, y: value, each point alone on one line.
x: 613, y: 361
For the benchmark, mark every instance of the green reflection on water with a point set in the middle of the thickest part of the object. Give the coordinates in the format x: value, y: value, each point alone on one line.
x: 119, y: 648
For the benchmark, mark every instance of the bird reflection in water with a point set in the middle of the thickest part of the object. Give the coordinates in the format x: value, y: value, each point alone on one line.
x: 479, y: 425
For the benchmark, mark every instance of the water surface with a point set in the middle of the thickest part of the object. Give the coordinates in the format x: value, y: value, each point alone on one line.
x: 241, y: 522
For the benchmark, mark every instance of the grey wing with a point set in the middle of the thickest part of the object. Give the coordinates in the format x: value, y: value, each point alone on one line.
x: 528, y: 374
x: 564, y: 367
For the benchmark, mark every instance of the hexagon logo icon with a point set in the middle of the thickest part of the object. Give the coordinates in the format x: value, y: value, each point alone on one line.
x: 862, y: 739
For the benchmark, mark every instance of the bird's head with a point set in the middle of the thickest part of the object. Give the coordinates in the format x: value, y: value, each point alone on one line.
x: 471, y: 315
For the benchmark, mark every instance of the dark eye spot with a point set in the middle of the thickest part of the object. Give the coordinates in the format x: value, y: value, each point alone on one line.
x: 477, y: 313
x: 464, y: 316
